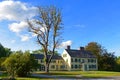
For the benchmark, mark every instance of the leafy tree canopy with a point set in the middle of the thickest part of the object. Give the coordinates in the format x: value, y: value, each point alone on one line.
x: 4, y: 52
x: 106, y: 60
x: 41, y: 51
x: 19, y: 64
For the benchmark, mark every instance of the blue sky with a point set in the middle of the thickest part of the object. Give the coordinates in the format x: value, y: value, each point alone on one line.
x: 84, y: 21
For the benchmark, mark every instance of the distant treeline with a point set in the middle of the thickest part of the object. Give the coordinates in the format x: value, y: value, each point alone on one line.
x: 107, y: 61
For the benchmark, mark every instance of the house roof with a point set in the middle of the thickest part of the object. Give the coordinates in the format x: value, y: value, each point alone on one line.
x: 80, y: 53
x: 41, y: 56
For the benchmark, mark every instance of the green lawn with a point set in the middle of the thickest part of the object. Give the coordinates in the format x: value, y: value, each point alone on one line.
x: 100, y: 74
x: 4, y: 75
x: 89, y: 74
x: 72, y: 74
x: 33, y: 79
x: 21, y: 78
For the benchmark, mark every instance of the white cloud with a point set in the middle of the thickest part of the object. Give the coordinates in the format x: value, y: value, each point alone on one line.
x: 13, y: 41
x: 18, y: 27
x: 65, y: 44
x: 34, y: 35
x: 16, y: 10
x: 24, y: 37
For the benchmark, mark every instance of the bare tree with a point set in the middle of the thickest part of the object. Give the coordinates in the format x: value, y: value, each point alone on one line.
x: 47, y: 26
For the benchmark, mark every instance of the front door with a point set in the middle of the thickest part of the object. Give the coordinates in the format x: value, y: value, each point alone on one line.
x: 85, y: 67
x: 42, y: 68
x: 56, y: 67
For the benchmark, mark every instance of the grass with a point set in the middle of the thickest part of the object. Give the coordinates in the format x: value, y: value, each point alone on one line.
x: 71, y: 74
x: 21, y: 78
x: 88, y: 74
x: 100, y: 74
x: 5, y: 76
x: 27, y: 78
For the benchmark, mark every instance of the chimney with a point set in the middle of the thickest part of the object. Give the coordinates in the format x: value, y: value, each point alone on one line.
x: 68, y: 47
x: 81, y: 48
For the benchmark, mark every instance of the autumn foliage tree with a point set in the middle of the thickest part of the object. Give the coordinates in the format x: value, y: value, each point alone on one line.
x: 47, y: 27
x: 106, y: 60
x: 96, y: 49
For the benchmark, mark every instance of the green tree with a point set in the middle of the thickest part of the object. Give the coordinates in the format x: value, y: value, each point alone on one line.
x: 4, y: 52
x: 106, y: 60
x: 41, y: 51
x: 47, y: 27
x: 97, y: 50
x: 117, y: 67
x: 19, y: 64
x: 7, y: 51
x: 2, y: 59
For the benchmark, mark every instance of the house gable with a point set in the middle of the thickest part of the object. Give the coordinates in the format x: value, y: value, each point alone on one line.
x: 67, y: 59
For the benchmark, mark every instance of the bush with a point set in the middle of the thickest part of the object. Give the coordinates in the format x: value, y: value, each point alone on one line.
x: 19, y: 64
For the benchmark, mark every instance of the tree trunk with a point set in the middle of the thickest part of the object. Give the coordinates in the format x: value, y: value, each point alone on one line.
x: 47, y: 68
x: 12, y: 75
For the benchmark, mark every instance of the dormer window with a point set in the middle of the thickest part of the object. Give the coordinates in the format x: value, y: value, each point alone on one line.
x: 64, y: 55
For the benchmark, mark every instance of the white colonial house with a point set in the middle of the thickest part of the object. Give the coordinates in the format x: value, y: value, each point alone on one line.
x: 70, y: 59
x: 79, y: 59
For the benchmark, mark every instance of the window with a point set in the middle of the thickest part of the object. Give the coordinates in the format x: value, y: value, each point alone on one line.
x: 61, y: 61
x: 64, y: 55
x: 52, y: 66
x: 36, y: 60
x: 71, y: 60
x: 42, y: 60
x: 79, y: 60
x: 88, y: 60
x: 42, y: 67
x: 62, y: 66
x: 66, y: 60
x: 80, y: 66
x: 76, y: 66
x: 72, y: 66
x: 53, y: 61
x: 75, y: 60
x: 92, y: 66
x: 83, y: 60
x: 92, y: 60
